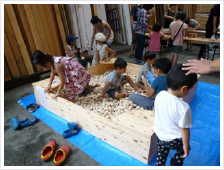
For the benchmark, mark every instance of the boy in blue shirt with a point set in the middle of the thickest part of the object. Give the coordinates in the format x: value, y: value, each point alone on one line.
x: 161, y: 66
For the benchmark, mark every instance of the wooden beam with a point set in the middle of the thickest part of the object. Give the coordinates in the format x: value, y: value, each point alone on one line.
x: 14, y: 45
x: 10, y: 58
x: 19, y: 38
x: 26, y: 31
x: 60, y: 25
x: 7, y: 75
x: 94, y: 9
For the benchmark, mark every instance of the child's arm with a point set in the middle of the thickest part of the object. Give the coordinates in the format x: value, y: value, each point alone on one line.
x: 92, y: 39
x: 69, y: 53
x: 58, y: 68
x: 149, y: 91
x: 51, y: 80
x: 144, y: 74
x: 185, y: 138
x: 97, y: 57
x: 104, y: 91
x: 111, y: 52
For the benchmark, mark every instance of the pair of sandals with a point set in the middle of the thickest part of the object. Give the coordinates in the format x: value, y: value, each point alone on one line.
x: 73, y: 130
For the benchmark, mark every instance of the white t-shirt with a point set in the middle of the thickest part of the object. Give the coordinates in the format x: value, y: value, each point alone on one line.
x: 171, y: 114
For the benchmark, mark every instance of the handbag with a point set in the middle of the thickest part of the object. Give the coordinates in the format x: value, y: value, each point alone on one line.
x: 170, y: 41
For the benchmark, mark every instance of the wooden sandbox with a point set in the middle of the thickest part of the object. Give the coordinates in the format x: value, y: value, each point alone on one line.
x: 131, y: 132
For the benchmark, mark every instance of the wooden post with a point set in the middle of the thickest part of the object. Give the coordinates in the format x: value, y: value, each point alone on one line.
x: 19, y: 38
x: 95, y: 9
x: 10, y: 58
x: 7, y: 75
x: 14, y: 45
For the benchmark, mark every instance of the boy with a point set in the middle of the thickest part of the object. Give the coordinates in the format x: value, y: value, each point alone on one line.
x: 162, y: 66
x: 89, y: 88
x: 115, y: 80
x: 173, y: 117
x: 149, y: 59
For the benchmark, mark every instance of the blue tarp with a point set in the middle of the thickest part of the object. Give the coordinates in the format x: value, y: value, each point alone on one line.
x: 204, y: 139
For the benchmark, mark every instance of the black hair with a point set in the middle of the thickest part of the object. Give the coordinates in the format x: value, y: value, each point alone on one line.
x: 187, y: 21
x: 163, y: 63
x: 172, y: 5
x: 95, y: 20
x: 120, y: 62
x: 147, y: 6
x: 83, y: 62
x: 177, y: 78
x: 181, y: 15
x: 41, y: 58
x: 149, y: 55
x: 156, y: 27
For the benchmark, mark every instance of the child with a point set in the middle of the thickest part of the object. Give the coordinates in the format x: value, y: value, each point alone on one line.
x: 156, y: 35
x: 149, y: 59
x: 193, y: 24
x: 73, y: 77
x: 173, y: 117
x: 102, y: 50
x: 178, y: 41
x: 162, y: 66
x: 89, y: 88
x: 70, y: 50
x: 115, y: 80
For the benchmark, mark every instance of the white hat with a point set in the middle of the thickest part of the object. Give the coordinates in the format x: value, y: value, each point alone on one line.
x: 100, y: 37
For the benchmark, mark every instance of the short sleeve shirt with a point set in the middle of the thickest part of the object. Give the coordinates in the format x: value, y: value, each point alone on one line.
x: 159, y: 84
x: 193, y: 23
x: 145, y: 68
x: 114, y: 80
x: 154, y: 44
x: 215, y: 11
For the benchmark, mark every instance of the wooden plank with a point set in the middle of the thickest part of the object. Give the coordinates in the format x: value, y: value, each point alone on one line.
x: 7, y: 75
x: 46, y: 30
x: 10, y: 58
x: 40, y: 28
x: 14, y: 45
x: 58, y: 46
x: 19, y: 38
x: 26, y: 31
x: 60, y: 26
x: 33, y: 27
x: 100, y: 68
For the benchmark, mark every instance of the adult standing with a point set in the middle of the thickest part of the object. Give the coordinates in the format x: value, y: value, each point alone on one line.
x: 211, y: 27
x: 103, y: 27
x: 169, y: 15
x: 140, y: 33
x: 133, y: 17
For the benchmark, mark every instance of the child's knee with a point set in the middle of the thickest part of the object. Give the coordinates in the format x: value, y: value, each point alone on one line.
x: 119, y: 95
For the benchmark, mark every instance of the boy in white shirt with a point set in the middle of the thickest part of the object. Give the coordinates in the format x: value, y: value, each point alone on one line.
x: 173, y: 117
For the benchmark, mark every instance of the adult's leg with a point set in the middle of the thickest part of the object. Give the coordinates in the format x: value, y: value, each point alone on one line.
x: 140, y: 39
x: 162, y: 153
x: 145, y: 102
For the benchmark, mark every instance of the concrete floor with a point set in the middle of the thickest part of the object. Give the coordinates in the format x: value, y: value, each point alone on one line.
x: 23, y: 147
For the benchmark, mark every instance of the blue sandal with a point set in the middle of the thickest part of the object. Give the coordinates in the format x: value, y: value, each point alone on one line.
x: 16, y: 124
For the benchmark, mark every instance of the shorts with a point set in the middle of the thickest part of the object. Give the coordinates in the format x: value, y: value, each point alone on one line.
x: 133, y: 38
x: 112, y: 92
x: 176, y: 49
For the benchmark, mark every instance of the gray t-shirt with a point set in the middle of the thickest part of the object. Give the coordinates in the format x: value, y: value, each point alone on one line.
x: 193, y: 23
x: 145, y: 67
x: 114, y: 80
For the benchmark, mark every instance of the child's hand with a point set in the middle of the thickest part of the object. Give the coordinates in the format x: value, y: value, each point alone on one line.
x: 55, y: 96
x: 126, y: 94
x: 144, y: 81
x: 101, y: 99
x: 107, y: 60
x: 97, y: 85
x: 186, y: 151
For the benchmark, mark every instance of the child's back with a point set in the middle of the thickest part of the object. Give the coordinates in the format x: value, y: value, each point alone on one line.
x: 154, y: 44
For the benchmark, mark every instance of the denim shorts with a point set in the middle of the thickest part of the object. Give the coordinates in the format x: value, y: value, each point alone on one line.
x: 176, y: 49
x: 112, y: 92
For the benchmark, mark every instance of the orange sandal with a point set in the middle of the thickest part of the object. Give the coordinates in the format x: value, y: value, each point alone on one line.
x: 61, y: 154
x: 48, y: 150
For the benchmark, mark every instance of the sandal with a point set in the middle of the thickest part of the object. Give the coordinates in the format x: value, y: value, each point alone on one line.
x: 61, y: 154
x: 48, y: 150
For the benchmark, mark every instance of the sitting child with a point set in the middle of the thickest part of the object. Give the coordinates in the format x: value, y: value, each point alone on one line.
x: 149, y: 59
x: 115, y: 80
x: 162, y: 66
x: 102, y: 50
x: 89, y: 88
x: 70, y: 49
x: 173, y: 117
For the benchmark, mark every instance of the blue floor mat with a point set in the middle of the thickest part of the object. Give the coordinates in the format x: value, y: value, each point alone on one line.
x: 204, y: 139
